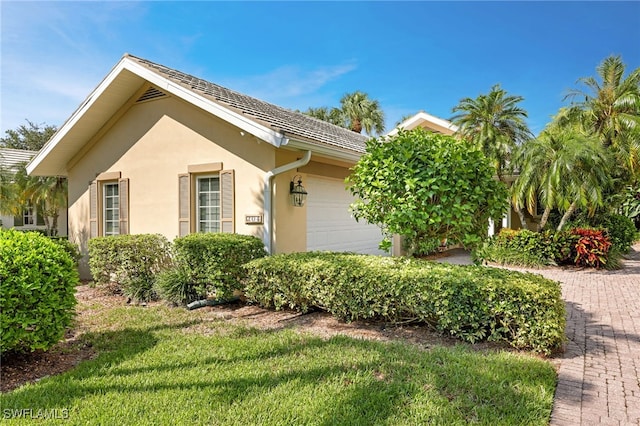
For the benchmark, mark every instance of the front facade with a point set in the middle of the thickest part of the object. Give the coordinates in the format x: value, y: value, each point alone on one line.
x: 154, y: 150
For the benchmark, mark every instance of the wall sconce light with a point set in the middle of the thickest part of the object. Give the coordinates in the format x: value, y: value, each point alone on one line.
x: 297, y: 192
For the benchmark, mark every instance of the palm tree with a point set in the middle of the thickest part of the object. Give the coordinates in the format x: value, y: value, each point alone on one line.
x: 561, y: 169
x: 496, y: 125
x: 362, y: 112
x: 333, y: 115
x: 611, y: 110
x: 47, y: 193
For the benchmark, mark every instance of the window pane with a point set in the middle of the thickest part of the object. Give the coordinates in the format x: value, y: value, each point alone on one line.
x: 208, y: 208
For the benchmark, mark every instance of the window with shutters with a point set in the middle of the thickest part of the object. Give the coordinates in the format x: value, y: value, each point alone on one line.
x: 108, y: 205
x: 111, y: 209
x: 206, y: 199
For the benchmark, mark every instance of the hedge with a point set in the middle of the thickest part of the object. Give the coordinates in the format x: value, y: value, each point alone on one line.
x: 472, y: 303
x: 38, y: 279
x: 130, y: 261
x: 208, y: 265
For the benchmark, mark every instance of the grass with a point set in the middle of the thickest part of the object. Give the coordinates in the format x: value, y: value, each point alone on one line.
x: 163, y: 366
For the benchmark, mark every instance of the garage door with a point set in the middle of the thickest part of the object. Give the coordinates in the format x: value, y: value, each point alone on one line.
x: 330, y: 225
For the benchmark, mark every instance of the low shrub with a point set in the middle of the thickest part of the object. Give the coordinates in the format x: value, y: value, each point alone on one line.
x: 130, y: 261
x: 591, y: 248
x: 620, y: 229
x: 69, y: 247
x: 469, y: 302
x: 527, y: 248
x: 37, y: 279
x: 208, y: 265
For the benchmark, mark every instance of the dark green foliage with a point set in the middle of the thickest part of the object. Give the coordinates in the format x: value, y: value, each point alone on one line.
x: 208, y: 264
x: 30, y: 137
x: 426, y: 187
x: 620, y: 230
x: 131, y: 261
x: 72, y: 249
x: 527, y: 248
x: 472, y: 303
x: 37, y: 279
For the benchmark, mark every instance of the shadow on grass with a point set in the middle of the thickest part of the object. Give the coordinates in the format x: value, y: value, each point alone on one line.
x: 379, y: 383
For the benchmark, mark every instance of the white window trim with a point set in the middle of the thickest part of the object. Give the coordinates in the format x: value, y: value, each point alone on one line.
x: 116, y: 221
x: 197, y: 201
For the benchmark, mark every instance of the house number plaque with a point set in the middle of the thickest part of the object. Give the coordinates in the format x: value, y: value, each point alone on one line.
x: 253, y: 219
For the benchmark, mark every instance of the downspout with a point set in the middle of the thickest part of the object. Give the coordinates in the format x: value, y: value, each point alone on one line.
x: 268, y: 197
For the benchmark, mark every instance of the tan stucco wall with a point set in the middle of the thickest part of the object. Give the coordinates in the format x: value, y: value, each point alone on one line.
x: 151, y: 145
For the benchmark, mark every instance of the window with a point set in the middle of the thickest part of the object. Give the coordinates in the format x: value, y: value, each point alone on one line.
x: 28, y: 216
x: 208, y: 219
x: 206, y: 199
x: 108, y: 205
x: 111, y: 209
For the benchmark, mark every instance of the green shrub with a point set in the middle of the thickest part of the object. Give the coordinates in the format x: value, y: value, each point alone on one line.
x: 130, y: 261
x: 620, y: 229
x: 209, y: 264
x: 69, y: 247
x: 469, y: 302
x: 38, y: 279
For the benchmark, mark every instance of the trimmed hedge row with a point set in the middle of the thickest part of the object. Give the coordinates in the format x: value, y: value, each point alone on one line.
x: 208, y: 265
x: 130, y: 261
x: 37, y: 295
x: 472, y: 303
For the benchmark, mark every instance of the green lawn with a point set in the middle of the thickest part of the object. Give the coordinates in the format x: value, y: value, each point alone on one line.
x: 158, y: 366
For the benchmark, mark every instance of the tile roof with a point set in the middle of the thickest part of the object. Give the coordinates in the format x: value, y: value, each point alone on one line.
x: 293, y: 124
x: 10, y: 158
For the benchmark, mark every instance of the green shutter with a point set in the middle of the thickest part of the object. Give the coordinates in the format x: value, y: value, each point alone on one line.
x: 39, y: 217
x: 18, y: 220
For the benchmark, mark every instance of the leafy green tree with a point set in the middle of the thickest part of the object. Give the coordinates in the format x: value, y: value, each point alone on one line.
x: 609, y: 107
x: 357, y: 112
x: 426, y: 187
x: 561, y: 169
x: 30, y: 136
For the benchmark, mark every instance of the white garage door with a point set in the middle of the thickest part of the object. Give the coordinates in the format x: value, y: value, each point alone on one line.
x: 330, y: 225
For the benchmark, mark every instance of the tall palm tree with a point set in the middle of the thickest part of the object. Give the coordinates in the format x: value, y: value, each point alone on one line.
x: 496, y: 125
x: 561, y: 169
x: 362, y: 112
x: 610, y: 107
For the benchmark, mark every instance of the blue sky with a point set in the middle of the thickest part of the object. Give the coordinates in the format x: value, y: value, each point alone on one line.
x: 410, y: 56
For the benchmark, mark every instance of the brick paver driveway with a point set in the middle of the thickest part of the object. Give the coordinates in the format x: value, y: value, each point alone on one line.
x: 599, y: 375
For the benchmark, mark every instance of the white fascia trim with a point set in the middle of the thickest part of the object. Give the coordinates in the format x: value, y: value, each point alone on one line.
x: 426, y: 117
x: 261, y: 132
x: 335, y: 153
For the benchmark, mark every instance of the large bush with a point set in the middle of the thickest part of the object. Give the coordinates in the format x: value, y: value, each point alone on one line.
x: 208, y: 265
x: 620, y: 229
x: 426, y: 187
x: 472, y: 303
x: 37, y: 279
x: 130, y: 261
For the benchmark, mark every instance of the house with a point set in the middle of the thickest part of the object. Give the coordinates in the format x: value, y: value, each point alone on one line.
x: 156, y: 150
x: 30, y: 218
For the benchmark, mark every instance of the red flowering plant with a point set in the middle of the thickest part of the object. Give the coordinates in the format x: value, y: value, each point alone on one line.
x: 592, y: 247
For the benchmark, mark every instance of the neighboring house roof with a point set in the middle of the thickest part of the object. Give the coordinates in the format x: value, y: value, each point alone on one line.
x: 10, y: 158
x: 427, y: 121
x: 273, y: 124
